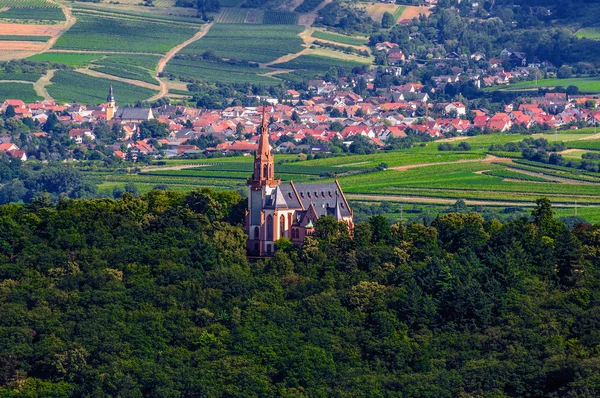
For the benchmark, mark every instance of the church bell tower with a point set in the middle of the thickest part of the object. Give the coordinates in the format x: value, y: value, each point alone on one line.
x: 110, y: 108
x: 260, y: 186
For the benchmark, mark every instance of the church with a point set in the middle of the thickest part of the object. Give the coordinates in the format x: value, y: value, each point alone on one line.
x: 286, y: 210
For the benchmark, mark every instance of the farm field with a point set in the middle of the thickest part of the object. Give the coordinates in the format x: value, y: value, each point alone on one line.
x: 74, y: 60
x: 216, y: 71
x: 421, y: 175
x: 122, y: 35
x: 257, y: 43
x: 337, y: 38
x: 21, y: 91
x: 24, y: 38
x: 316, y: 63
x: 376, y: 10
x: 280, y: 18
x: 70, y: 86
x: 44, y: 13
x: 585, y: 84
x: 29, y: 77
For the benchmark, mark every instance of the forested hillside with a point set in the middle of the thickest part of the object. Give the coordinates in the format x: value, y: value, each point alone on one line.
x: 153, y: 296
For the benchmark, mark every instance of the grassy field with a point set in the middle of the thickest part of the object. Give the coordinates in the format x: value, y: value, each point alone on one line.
x: 421, y: 175
x: 69, y: 86
x: 74, y: 60
x: 316, y: 63
x: 22, y: 91
x: 123, y: 35
x: 135, y: 67
x: 258, y: 43
x: 216, y: 71
x: 588, y: 33
x: 342, y: 39
x: 30, y: 77
x: 280, y: 18
x: 398, y: 13
x: 33, y: 13
x: 24, y: 38
x: 585, y: 84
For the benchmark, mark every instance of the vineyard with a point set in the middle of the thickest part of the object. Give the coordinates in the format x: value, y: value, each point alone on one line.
x: 213, y: 71
x: 27, y: 3
x: 353, y: 41
x: 73, y: 60
x: 30, y: 77
x: 21, y: 91
x: 316, y: 63
x: 70, y: 86
x: 24, y: 38
x: 257, y: 43
x: 112, y: 34
x: 280, y: 18
x: 33, y: 13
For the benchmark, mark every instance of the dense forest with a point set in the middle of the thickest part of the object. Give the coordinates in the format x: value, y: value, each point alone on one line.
x: 153, y: 296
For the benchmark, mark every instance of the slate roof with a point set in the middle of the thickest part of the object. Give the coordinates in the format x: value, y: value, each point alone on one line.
x: 134, y: 114
x: 326, y: 198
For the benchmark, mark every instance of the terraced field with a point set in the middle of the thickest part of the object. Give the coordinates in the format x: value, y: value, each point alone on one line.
x: 122, y: 35
x: 21, y: 91
x: 70, y: 86
x: 421, y: 175
x: 257, y: 43
x: 213, y: 71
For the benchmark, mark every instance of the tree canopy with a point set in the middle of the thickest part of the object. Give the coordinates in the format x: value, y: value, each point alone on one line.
x: 153, y: 296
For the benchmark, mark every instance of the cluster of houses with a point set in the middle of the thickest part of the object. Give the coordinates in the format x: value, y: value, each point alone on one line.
x: 332, y: 113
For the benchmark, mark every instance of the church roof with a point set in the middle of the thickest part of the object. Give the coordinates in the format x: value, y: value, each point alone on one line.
x: 134, y: 114
x: 326, y: 198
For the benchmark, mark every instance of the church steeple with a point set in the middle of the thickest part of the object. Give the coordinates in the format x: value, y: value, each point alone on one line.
x: 110, y: 107
x: 111, y: 96
x: 264, y: 162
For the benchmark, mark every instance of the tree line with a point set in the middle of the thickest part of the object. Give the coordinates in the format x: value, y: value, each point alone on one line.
x: 154, y: 296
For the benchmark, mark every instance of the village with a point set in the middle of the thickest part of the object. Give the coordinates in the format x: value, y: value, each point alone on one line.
x: 307, y: 122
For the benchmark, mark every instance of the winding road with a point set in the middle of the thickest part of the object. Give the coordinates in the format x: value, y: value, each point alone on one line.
x: 164, y: 60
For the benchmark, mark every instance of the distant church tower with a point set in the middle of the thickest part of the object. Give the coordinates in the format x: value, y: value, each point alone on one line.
x: 285, y: 210
x: 260, y: 187
x: 110, y: 108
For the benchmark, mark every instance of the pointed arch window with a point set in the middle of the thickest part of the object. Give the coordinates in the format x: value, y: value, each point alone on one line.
x: 256, y: 233
x: 265, y: 171
x: 282, y: 225
x: 269, y: 227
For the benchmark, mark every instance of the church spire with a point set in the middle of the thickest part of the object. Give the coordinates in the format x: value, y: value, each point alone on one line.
x: 264, y: 162
x: 111, y: 96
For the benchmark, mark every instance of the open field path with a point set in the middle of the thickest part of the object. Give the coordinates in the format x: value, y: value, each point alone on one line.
x: 70, y: 21
x: 40, y: 85
x: 443, y: 201
x: 309, y: 19
x: 487, y: 159
x: 16, y: 81
x: 276, y: 72
x: 285, y: 58
x: 591, y: 137
x: 94, y: 73
x: 167, y: 57
x: 180, y: 167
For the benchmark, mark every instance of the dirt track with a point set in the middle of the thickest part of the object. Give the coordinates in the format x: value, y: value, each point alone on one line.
x: 94, y: 73
x: 164, y: 60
